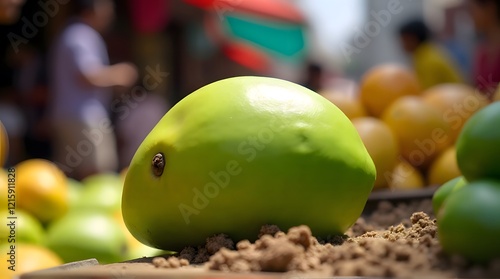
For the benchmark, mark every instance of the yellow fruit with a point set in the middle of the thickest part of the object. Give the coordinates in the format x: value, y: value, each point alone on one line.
x: 405, y: 177
x: 41, y: 189
x: 123, y: 173
x: 384, y: 84
x: 381, y: 144
x: 27, y: 257
x: 455, y: 102
x: 134, y: 247
x: 350, y: 105
x: 3, y: 189
x: 444, y: 168
x: 421, y: 131
x: 4, y: 145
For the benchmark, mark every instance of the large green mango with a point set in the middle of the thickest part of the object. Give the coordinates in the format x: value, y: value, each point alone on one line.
x: 243, y: 152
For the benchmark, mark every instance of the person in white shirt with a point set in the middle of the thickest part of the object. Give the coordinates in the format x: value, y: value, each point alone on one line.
x: 81, y: 82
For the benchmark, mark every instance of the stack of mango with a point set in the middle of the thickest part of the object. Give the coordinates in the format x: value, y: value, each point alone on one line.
x: 409, y: 132
x: 49, y: 219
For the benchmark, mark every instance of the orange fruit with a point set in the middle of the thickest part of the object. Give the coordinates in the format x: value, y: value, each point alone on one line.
x: 455, y: 102
x: 3, y: 188
x: 28, y: 258
x: 444, y: 168
x: 405, y: 177
x: 42, y: 189
x: 4, y: 145
x: 421, y: 131
x: 349, y: 104
x: 382, y: 145
x: 384, y: 84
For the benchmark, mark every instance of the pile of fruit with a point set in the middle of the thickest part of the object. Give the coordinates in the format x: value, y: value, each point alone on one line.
x: 49, y: 219
x: 467, y: 207
x: 410, y: 133
x: 248, y: 151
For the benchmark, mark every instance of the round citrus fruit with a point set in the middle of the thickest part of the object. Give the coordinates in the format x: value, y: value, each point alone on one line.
x: 246, y: 143
x: 41, y: 189
x: 455, y: 102
x: 27, y: 258
x: 444, y: 191
x: 405, y: 177
x: 84, y: 234
x: 469, y: 223
x: 24, y: 228
x: 420, y: 129
x: 444, y: 167
x: 4, y: 145
x: 349, y: 104
x: 478, y: 145
x: 381, y: 144
x: 384, y: 84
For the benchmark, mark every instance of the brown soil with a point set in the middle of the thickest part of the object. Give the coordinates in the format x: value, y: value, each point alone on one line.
x: 394, y: 241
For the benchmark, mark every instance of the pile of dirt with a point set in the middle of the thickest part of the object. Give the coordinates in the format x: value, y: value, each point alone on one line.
x: 394, y: 241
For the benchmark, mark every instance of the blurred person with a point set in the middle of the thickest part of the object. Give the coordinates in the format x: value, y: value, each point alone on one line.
x: 432, y: 64
x: 486, y: 69
x: 81, y: 85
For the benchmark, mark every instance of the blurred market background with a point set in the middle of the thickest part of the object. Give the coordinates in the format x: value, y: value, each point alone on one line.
x: 191, y: 42
x: 408, y: 73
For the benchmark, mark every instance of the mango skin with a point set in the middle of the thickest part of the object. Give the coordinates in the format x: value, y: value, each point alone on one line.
x: 243, y: 152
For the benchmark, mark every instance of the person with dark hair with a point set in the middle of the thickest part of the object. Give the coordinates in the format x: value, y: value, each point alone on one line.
x: 431, y: 63
x: 486, y: 17
x: 81, y: 80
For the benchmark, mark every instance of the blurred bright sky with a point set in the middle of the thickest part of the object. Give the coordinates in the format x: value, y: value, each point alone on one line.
x: 332, y: 20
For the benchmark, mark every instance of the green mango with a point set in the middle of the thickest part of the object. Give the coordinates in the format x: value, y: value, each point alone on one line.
x: 101, y: 191
x: 478, y: 145
x: 85, y: 234
x: 243, y: 152
x: 469, y: 221
x: 444, y: 191
x: 20, y: 227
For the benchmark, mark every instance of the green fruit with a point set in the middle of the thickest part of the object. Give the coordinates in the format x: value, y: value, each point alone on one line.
x: 243, y: 152
x: 469, y: 221
x: 478, y: 145
x: 27, y: 229
x: 444, y: 191
x: 102, y: 192
x: 82, y: 235
x: 74, y: 191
